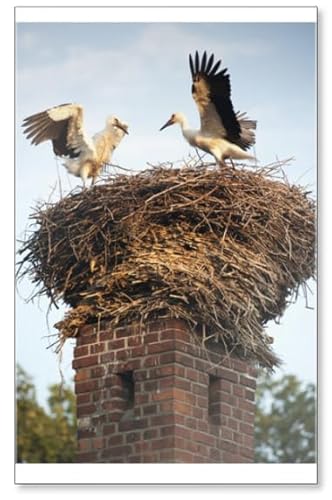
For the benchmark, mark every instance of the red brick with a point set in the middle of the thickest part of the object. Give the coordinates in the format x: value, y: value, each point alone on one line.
x: 239, y: 366
x: 162, y: 346
x: 226, y: 433
x: 88, y: 386
x: 86, y: 339
x: 83, y: 398
x: 84, y: 444
x: 186, y: 397
x: 162, y: 371
x: 167, y: 357
x: 248, y: 417
x: 85, y: 433
x: 150, y: 361
x: 233, y: 424
x: 229, y: 375
x: 236, y: 413
x: 87, y: 330
x: 248, y: 382
x: 121, y: 333
x: 184, y: 359
x: 166, y: 382
x: 198, y: 389
x: 226, y: 386
x: 107, y: 357
x: 122, y: 354
x: 250, y: 395
x: 97, y: 443
x: 95, y: 348
x: 131, y: 437
x: 109, y: 429
x: 97, y: 372
x: 183, y: 408
x: 135, y: 341
x: 82, y: 374
x: 85, y: 361
x: 151, y: 337
x: 228, y: 446
x: 247, y: 405
x: 246, y: 452
x: 83, y: 410
x: 160, y: 420
x: 247, y: 429
x: 238, y: 437
x: 238, y: 391
x: 118, y: 451
x: 137, y: 351
x: 168, y: 430
x: 151, y: 434
x: 192, y: 374
x: 163, y: 443
x: 204, y: 437
x: 183, y: 432
x: 150, y: 409
x: 166, y: 406
x: 182, y: 456
x: 167, y: 456
x: 180, y: 383
x: 165, y: 394
x: 89, y: 457
x: 228, y: 398
x: 248, y: 441
x: 128, y: 425
x: 81, y: 351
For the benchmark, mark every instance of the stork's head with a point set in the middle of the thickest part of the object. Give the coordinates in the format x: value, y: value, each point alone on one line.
x: 114, y: 121
x: 175, y: 118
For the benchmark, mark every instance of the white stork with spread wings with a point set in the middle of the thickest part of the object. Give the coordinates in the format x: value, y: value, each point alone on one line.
x: 63, y: 125
x: 223, y: 133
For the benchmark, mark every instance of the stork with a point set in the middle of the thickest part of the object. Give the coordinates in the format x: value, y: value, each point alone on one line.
x: 63, y: 125
x: 223, y: 133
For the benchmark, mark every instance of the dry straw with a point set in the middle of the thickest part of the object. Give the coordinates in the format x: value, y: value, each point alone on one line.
x: 223, y: 248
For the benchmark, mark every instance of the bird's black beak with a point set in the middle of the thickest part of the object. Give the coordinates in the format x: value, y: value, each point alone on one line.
x: 123, y: 128
x: 167, y: 124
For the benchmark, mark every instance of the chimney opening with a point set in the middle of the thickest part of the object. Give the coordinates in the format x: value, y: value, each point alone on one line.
x: 128, y: 388
x: 213, y: 398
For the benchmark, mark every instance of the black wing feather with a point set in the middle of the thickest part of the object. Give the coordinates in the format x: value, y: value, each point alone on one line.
x: 219, y: 94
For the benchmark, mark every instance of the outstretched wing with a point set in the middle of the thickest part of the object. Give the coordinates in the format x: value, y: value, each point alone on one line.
x: 212, y: 93
x: 63, y: 125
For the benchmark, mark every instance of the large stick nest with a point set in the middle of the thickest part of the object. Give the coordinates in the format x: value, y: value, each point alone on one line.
x: 224, y: 249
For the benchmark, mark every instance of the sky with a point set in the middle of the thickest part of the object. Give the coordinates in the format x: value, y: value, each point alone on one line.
x: 140, y: 72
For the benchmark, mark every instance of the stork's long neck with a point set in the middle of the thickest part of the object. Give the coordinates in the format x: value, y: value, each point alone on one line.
x: 187, y: 132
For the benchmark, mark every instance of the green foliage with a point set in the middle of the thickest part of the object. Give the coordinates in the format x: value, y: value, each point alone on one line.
x: 285, y: 421
x: 44, y: 437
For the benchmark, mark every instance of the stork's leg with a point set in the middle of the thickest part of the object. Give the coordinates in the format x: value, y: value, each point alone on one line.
x: 84, y: 176
x: 221, y: 162
x: 232, y: 163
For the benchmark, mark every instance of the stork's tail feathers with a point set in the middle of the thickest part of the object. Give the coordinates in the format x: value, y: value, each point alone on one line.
x: 247, y: 133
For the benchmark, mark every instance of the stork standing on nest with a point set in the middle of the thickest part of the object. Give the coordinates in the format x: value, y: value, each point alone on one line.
x: 63, y: 125
x: 223, y: 133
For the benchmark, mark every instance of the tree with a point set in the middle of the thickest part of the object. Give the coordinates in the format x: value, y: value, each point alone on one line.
x: 285, y: 421
x: 44, y: 437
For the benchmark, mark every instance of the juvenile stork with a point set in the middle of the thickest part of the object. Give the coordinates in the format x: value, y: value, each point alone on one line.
x: 223, y: 133
x: 63, y: 125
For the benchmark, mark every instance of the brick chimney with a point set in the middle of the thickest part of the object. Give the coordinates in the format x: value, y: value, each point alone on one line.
x: 152, y: 394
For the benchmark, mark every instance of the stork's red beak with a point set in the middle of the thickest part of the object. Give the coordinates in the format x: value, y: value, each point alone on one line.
x: 167, y: 124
